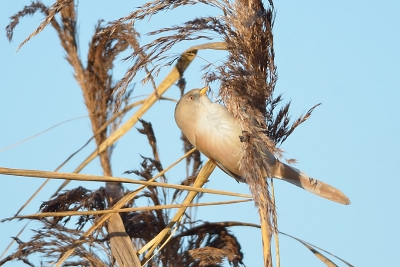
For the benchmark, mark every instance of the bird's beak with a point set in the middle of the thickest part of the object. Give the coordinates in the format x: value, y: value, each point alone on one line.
x: 203, y: 90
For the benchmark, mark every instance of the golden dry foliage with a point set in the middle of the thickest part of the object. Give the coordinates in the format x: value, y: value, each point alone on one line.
x: 247, y: 77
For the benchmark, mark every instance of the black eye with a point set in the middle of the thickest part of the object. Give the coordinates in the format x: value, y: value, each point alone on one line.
x: 191, y: 97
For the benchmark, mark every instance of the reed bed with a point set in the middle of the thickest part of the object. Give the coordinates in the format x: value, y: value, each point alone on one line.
x: 110, y: 230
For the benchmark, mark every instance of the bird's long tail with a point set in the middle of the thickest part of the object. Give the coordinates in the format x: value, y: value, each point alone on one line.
x: 296, y: 177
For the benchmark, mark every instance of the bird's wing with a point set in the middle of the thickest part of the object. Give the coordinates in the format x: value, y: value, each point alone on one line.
x: 217, y: 137
x: 238, y: 178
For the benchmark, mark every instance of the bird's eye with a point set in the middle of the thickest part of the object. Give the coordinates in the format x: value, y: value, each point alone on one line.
x: 191, y: 97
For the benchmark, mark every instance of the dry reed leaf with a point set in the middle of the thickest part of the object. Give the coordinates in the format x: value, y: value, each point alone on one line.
x: 86, y: 177
x: 202, y: 177
x: 312, y: 248
x: 161, y: 246
x: 275, y: 221
x: 98, y: 223
x: 121, y: 245
x: 324, y: 259
x: 105, y: 217
x: 39, y: 133
x: 142, y: 208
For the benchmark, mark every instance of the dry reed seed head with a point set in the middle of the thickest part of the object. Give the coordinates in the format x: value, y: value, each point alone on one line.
x: 205, y: 240
x: 247, y: 82
x: 208, y: 256
x: 52, y: 240
x: 149, y: 132
x: 27, y: 10
x: 148, y: 164
x: 143, y: 225
x: 75, y: 199
x: 220, y: 244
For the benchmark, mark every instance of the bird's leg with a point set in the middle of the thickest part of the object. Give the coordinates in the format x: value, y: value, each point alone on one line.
x: 245, y: 137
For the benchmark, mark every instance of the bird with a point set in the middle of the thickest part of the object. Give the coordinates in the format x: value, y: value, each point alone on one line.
x: 215, y: 133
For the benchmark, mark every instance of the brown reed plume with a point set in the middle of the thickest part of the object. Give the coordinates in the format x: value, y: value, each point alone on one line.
x: 101, y: 97
x: 247, y: 78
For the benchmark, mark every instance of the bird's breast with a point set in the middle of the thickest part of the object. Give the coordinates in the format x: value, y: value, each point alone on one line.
x: 217, y: 137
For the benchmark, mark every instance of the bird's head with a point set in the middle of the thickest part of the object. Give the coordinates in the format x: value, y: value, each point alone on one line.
x: 190, y: 107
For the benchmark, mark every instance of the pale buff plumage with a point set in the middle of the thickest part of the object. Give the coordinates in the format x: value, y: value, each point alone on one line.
x: 213, y: 131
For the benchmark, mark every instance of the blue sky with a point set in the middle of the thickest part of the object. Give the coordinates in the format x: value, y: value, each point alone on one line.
x: 343, y: 54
